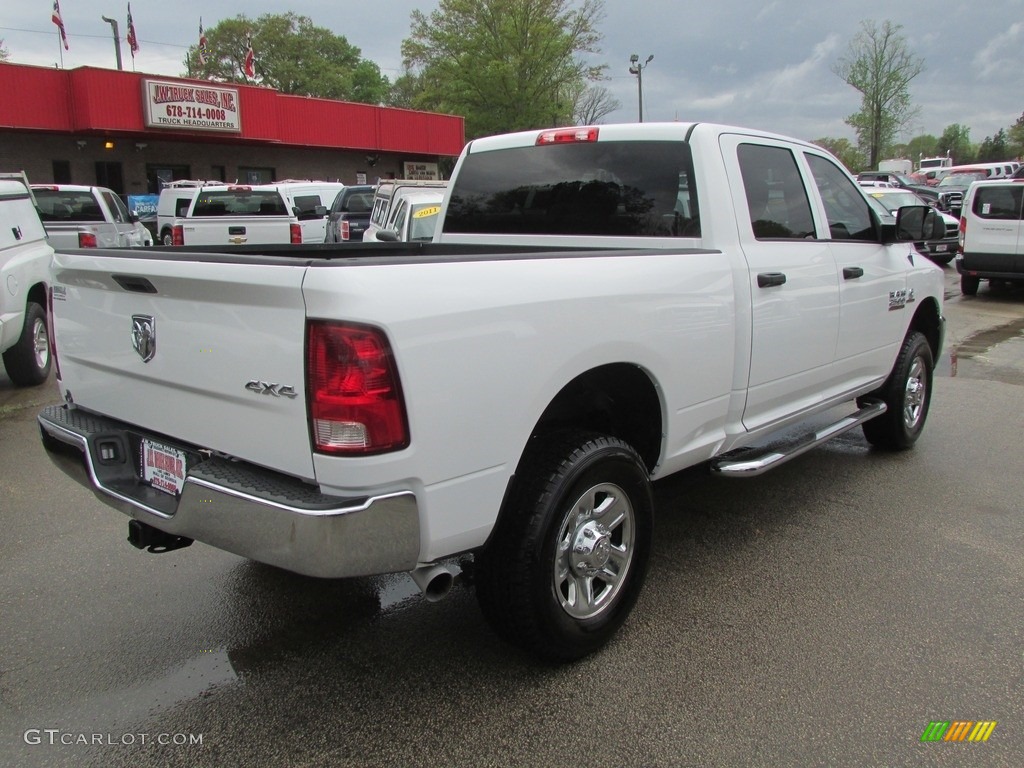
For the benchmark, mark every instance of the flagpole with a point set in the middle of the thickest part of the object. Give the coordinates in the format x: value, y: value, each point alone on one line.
x: 60, y: 48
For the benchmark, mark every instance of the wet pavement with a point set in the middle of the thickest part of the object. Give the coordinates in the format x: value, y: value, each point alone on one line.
x: 823, y: 614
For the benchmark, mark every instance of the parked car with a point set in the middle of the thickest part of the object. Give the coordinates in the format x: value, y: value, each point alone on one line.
x: 349, y: 214
x: 991, y: 243
x: 385, y: 201
x: 929, y: 195
x: 25, y: 255
x: 416, y: 217
x: 939, y: 251
x: 77, y: 216
x: 954, y: 185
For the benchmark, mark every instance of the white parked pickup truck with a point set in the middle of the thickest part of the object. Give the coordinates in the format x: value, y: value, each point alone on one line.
x: 77, y: 216
x: 232, y: 214
x: 601, y: 307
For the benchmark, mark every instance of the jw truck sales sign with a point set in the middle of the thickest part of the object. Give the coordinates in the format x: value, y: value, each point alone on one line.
x: 194, y: 107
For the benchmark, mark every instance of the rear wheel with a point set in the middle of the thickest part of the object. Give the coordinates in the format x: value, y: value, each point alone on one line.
x: 969, y: 285
x: 28, y: 361
x: 907, y: 393
x: 567, y: 560
x: 167, y: 237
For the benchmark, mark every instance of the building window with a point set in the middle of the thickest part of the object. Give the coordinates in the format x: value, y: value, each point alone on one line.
x: 218, y: 173
x: 256, y: 175
x: 61, y: 171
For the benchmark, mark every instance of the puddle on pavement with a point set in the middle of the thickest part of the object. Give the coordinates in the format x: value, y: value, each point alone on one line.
x: 996, y: 354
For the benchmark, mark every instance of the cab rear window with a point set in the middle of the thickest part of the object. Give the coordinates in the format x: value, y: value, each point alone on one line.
x: 60, y: 205
x: 599, y: 188
x: 239, y: 203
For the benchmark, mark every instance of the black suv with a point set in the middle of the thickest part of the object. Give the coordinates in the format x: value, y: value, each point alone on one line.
x: 350, y: 214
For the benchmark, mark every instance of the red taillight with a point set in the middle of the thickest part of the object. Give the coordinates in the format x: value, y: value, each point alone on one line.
x: 178, y: 235
x: 568, y: 136
x: 960, y: 236
x: 346, y: 230
x: 296, y: 234
x: 87, y: 240
x: 355, y: 401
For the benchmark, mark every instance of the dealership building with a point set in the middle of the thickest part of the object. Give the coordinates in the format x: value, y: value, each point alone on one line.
x: 134, y: 132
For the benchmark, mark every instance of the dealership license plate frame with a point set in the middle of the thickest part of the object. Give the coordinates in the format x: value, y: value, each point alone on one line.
x: 162, y: 466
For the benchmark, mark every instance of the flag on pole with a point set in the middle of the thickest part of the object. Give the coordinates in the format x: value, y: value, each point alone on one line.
x: 250, y: 59
x: 202, y: 43
x: 133, y: 41
x: 56, y: 19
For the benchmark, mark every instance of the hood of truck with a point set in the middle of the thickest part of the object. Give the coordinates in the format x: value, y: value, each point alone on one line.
x: 201, y: 352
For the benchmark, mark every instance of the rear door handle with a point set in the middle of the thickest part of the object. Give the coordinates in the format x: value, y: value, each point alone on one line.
x: 768, y: 279
x: 852, y: 273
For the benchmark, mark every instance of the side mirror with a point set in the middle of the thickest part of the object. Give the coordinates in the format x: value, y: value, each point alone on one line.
x: 918, y: 223
x: 321, y: 210
x: 387, y: 235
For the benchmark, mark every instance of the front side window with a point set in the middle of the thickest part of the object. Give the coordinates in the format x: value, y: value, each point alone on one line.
x: 849, y: 217
x: 625, y: 189
x: 776, y: 197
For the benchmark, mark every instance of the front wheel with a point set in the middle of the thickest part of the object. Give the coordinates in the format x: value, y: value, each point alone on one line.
x: 28, y: 361
x: 907, y: 393
x: 568, y: 557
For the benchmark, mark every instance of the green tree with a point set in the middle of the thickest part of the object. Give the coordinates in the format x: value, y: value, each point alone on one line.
x: 292, y: 55
x: 879, y: 66
x: 845, y: 152
x: 921, y: 146
x: 1015, y: 137
x: 504, y: 65
x: 4, y: 53
x: 956, y: 141
x: 994, y: 149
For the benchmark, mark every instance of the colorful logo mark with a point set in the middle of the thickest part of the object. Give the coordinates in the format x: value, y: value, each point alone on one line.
x: 958, y: 730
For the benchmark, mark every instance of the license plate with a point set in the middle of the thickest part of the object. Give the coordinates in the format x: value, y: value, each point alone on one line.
x: 941, y: 248
x: 163, y: 467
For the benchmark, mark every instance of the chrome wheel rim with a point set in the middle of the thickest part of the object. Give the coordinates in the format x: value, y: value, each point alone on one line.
x: 915, y: 394
x: 40, y: 344
x: 596, y: 542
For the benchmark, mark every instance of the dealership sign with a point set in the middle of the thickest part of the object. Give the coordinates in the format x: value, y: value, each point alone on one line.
x: 190, y: 106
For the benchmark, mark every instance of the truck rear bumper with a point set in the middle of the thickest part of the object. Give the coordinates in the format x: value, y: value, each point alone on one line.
x: 237, y: 507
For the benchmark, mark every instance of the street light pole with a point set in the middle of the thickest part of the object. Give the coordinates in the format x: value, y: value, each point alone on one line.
x: 637, y: 69
x: 117, y: 39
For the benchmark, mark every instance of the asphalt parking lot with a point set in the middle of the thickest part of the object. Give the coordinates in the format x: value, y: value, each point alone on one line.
x: 823, y: 614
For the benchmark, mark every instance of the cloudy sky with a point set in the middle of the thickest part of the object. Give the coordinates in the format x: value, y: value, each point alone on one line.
x: 765, y: 65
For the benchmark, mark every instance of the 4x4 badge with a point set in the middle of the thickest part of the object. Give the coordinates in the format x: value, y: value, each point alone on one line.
x: 144, y: 336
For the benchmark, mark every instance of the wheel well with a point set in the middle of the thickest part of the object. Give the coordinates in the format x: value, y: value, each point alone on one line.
x: 619, y: 400
x: 926, y: 321
x: 37, y: 293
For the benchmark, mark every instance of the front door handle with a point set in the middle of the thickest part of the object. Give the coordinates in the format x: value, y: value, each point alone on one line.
x: 767, y: 279
x: 852, y: 273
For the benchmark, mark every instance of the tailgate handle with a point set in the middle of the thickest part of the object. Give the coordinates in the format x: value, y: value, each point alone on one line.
x: 767, y: 279
x: 134, y: 283
x: 236, y: 230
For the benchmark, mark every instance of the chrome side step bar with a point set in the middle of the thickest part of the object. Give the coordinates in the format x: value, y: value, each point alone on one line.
x: 753, y: 462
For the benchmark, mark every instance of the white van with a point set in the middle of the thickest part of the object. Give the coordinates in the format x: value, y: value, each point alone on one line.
x: 991, y: 245
x: 310, y: 201
x: 175, y: 199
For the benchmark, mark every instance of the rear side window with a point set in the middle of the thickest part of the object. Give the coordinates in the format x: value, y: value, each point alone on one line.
x: 776, y: 198
x: 307, y: 206
x: 1001, y: 203
x: 599, y: 188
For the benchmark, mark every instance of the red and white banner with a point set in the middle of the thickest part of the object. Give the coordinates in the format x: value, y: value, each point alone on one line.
x: 250, y: 59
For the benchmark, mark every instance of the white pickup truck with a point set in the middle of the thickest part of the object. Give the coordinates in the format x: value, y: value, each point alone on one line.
x: 292, y: 212
x: 601, y: 307
x: 79, y: 216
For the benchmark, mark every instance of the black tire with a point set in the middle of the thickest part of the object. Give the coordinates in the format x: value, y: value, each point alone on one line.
x: 907, y: 393
x: 28, y: 361
x: 969, y: 285
x: 558, y: 577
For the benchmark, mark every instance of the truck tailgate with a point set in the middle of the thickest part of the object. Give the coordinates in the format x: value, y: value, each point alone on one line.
x: 225, y: 367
